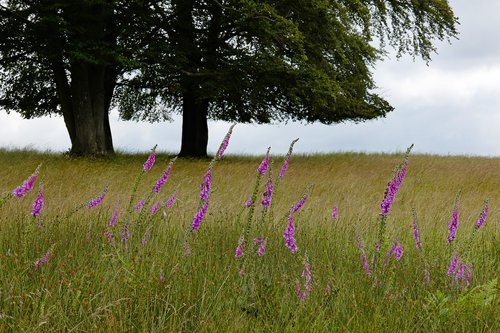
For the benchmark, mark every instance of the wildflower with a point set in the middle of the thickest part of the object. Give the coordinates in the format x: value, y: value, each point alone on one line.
x: 109, y: 236
x: 264, y: 165
x: 287, y: 160
x: 42, y: 261
x: 125, y: 233
x: 239, y: 249
x: 225, y: 143
x: 248, y: 203
x: 482, y: 217
x: 164, y: 177
x: 396, y: 251
x: 206, y: 185
x: 151, y: 160
x: 299, y: 204
x: 416, y: 232
x: 155, y: 208
x: 392, y: 188
x: 460, y: 271
x: 241, y: 272
x: 361, y: 248
x: 27, y: 185
x: 453, y: 265
x: 97, y: 200
x: 114, y: 218
x: 38, y: 204
x: 268, y: 194
x: 453, y: 226
x: 261, y: 243
x: 289, y: 234
x: 139, y: 205
x: 146, y: 236
x: 199, y: 216
x: 335, y: 213
x: 306, y: 275
x: 171, y: 201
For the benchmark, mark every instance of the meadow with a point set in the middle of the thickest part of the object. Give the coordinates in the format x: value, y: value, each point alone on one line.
x: 91, y: 260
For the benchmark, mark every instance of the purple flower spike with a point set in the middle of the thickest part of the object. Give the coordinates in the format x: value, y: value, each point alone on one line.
x: 139, y: 205
x: 125, y: 233
x: 171, y: 201
x: 240, y: 248
x: 482, y: 217
x: 392, y: 188
x: 225, y: 143
x: 453, y: 226
x: 27, y: 185
x: 97, y: 200
x: 287, y: 160
x: 150, y: 161
x: 396, y: 251
x: 268, y: 194
x: 307, y: 277
x: 335, y: 213
x: 361, y: 248
x: 38, y: 204
x: 453, y: 265
x: 164, y: 177
x: 206, y: 186
x: 109, y: 236
x: 264, y: 165
x: 114, y: 218
x: 299, y: 204
x: 155, y: 208
x: 42, y: 261
x: 262, y: 244
x: 199, y: 216
x: 289, y: 234
x: 248, y: 203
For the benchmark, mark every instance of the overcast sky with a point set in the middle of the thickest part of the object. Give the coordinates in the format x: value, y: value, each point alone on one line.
x: 451, y: 106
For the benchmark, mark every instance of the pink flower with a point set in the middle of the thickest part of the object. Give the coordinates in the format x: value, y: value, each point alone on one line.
x: 27, y: 185
x: 335, y: 213
x: 240, y: 248
x: 361, y: 248
x: 164, y: 177
x: 268, y: 194
x: 453, y: 226
x: 206, y: 186
x: 42, y: 261
x: 199, y: 216
x: 264, y: 165
x: 225, y: 143
x: 287, y: 160
x: 416, y: 232
x: 150, y: 161
x: 171, y: 201
x: 392, y: 188
x: 289, y: 234
x: 482, y: 218
x: 114, y: 217
x: 38, y: 204
x: 140, y: 205
x: 97, y: 200
x: 155, y: 208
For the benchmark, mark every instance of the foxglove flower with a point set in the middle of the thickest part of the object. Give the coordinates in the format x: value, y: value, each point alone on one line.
x: 239, y: 249
x: 289, y: 234
x: 335, y: 213
x: 264, y: 165
x: 248, y: 203
x: 268, y: 194
x: 307, y: 277
x: 261, y: 243
x: 27, y: 185
x: 299, y: 204
x: 287, y: 160
x: 164, y: 177
x: 171, y: 201
x: 125, y: 233
x: 392, y: 188
x: 140, y: 205
x: 97, y: 200
x: 396, y: 251
x: 114, y: 218
x: 361, y: 248
x: 42, y: 261
x: 199, y: 216
x: 38, y: 204
x: 150, y: 161
x: 453, y: 265
x: 155, y: 208
x: 206, y: 186
x: 225, y: 143
x: 453, y: 226
x: 109, y: 236
x: 482, y: 218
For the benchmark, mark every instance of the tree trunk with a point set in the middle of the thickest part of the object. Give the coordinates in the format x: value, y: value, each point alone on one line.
x: 93, y: 135
x: 194, y: 126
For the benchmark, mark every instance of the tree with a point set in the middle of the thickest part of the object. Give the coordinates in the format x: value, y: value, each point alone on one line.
x: 66, y: 57
x: 259, y: 61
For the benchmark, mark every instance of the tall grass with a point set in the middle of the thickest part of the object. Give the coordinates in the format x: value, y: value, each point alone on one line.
x: 91, y: 284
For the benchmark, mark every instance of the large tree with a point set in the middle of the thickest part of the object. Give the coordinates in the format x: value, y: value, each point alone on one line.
x: 66, y: 57
x: 259, y: 61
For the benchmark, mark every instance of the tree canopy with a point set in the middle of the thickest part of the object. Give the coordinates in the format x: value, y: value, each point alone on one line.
x: 237, y: 60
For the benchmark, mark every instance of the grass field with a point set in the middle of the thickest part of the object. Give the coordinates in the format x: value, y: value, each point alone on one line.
x: 149, y: 284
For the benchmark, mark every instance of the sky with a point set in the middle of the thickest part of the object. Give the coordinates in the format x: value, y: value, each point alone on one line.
x: 450, y: 106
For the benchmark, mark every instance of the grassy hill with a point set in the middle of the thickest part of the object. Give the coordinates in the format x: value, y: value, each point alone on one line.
x: 147, y: 283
